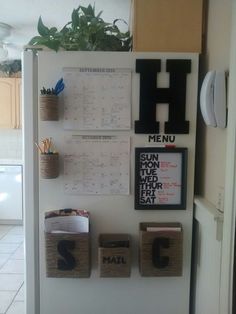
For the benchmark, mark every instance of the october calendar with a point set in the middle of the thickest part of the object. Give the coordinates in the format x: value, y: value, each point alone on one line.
x: 97, y: 165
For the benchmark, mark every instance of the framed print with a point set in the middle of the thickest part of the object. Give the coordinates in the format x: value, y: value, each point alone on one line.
x: 160, y: 178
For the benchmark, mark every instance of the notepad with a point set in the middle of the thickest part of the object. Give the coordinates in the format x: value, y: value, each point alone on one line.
x: 67, y: 221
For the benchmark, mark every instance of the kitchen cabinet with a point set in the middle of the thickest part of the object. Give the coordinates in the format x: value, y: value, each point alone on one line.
x: 10, y: 103
x: 167, y: 25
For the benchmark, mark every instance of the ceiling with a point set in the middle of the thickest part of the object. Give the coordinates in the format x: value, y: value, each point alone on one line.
x: 23, y: 17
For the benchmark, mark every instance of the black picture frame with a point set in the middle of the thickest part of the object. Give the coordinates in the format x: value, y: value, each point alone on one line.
x: 160, y: 178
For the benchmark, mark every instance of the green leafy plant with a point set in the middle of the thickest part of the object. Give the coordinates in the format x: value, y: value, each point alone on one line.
x: 10, y: 67
x: 85, y: 31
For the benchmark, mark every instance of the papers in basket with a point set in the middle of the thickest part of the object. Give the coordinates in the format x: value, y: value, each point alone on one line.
x: 67, y: 221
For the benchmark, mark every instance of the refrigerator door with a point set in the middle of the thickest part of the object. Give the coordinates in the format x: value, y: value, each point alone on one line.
x: 10, y: 192
x: 109, y: 213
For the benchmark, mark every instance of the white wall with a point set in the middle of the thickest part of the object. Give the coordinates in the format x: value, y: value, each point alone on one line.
x: 228, y: 250
x: 212, y: 155
x: 211, y: 148
x: 24, y: 17
x: 11, y: 144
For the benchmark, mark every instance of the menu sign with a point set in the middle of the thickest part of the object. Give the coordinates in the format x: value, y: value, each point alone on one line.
x: 160, y: 178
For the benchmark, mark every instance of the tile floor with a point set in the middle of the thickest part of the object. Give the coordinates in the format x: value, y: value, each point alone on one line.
x: 11, y: 270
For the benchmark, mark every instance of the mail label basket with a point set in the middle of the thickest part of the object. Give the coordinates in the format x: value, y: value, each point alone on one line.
x: 114, y: 255
x: 67, y: 255
x: 161, y: 249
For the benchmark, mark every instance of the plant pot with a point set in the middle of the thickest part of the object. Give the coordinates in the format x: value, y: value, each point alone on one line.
x: 49, y: 110
x: 49, y: 166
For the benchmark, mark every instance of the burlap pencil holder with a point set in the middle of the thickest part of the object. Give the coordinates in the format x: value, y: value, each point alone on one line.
x: 114, y: 261
x: 49, y: 166
x: 67, y: 255
x: 49, y: 108
x: 170, y: 250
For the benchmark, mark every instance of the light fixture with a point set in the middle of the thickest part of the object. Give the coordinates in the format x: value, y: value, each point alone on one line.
x: 5, y: 31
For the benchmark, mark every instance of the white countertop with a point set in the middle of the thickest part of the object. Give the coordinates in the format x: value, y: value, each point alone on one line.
x: 11, y: 162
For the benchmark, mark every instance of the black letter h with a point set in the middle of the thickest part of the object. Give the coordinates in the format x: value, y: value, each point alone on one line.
x: 150, y: 95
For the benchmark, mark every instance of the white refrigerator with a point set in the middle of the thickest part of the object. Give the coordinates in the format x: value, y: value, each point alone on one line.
x: 109, y: 213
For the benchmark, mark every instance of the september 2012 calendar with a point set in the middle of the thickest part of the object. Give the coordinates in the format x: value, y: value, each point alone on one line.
x: 97, y: 99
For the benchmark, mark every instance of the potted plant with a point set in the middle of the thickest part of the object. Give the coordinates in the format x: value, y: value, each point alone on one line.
x: 85, y: 31
x: 11, y: 68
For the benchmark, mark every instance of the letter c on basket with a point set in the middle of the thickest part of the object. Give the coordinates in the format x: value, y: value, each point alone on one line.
x: 158, y: 260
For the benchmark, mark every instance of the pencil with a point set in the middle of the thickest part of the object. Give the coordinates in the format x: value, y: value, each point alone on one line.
x: 39, y: 148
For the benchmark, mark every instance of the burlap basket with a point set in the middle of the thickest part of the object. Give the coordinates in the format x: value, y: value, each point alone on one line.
x: 174, y: 252
x: 49, y: 110
x: 80, y: 254
x: 49, y: 166
x: 114, y: 261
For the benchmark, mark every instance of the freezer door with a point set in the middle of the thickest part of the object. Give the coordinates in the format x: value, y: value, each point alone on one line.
x: 10, y: 192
